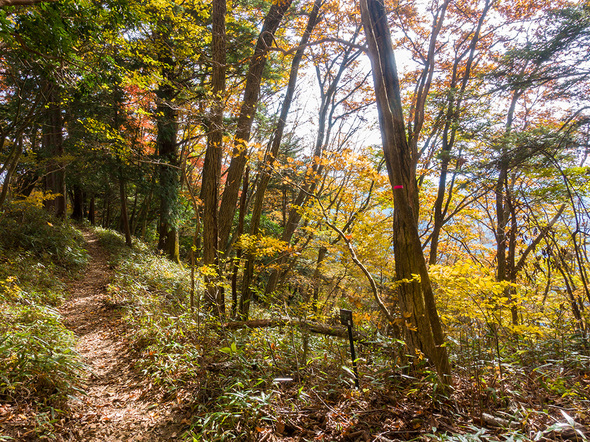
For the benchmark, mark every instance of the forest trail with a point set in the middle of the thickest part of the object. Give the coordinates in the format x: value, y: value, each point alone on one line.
x: 118, y: 404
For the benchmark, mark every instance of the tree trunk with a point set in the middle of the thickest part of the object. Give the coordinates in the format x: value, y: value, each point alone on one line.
x: 106, y: 211
x: 78, y: 204
x: 316, y: 277
x: 244, y: 125
x: 422, y: 324
x: 92, y: 210
x: 124, y: 214
x: 53, y: 148
x: 213, y: 157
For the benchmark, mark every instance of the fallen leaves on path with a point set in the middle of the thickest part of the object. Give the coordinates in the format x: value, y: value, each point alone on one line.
x: 117, y: 404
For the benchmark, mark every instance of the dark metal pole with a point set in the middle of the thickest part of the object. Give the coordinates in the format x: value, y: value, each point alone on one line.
x: 346, y: 319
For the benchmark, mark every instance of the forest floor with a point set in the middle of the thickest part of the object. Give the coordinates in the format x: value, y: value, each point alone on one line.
x: 118, y: 405
x: 118, y: 402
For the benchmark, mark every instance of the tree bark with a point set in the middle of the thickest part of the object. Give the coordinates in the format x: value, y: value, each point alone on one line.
x: 78, y: 204
x: 92, y: 210
x: 244, y: 125
x: 213, y: 157
x: 124, y: 213
x: 422, y: 324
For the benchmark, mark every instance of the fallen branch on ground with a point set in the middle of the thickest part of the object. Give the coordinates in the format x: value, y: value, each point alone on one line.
x: 313, y: 327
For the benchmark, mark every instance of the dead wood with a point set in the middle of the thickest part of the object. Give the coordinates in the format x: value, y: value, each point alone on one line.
x: 313, y: 327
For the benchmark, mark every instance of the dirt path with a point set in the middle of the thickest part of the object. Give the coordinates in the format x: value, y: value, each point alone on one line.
x: 117, y: 406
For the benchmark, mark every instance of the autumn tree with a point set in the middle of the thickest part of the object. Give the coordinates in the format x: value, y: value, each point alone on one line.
x: 337, y: 83
x: 422, y: 323
x: 272, y: 152
x: 526, y: 73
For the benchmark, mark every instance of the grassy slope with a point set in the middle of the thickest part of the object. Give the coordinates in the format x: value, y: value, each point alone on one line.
x: 38, y: 366
x: 226, y: 378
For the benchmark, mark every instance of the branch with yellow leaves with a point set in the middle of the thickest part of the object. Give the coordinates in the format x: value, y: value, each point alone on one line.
x: 357, y: 261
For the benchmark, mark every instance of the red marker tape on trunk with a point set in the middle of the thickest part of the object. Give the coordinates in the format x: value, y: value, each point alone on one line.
x: 398, y: 187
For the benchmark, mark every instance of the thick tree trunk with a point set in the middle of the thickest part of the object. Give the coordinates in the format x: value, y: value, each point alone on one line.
x: 78, y: 204
x: 169, y: 170
x: 213, y: 157
x: 422, y: 323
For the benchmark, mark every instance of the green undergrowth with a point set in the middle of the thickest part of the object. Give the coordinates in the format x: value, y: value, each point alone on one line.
x: 231, y: 374
x: 37, y: 255
x: 241, y: 384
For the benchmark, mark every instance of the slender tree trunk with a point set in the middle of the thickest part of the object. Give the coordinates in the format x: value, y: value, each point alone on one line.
x: 133, y: 217
x: 124, y: 214
x: 92, y: 210
x: 316, y: 277
x: 423, y: 327
x: 244, y: 302
x: 511, y: 258
x: 53, y: 148
x: 106, y: 217
x: 142, y: 217
x: 246, y: 118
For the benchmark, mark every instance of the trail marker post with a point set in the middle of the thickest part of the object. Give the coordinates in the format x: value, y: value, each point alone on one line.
x: 346, y: 319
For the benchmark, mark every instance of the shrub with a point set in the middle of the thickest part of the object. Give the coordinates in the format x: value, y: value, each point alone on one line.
x: 37, y: 253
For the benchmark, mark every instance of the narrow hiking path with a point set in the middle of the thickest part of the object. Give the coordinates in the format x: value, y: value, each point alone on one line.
x: 118, y: 404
